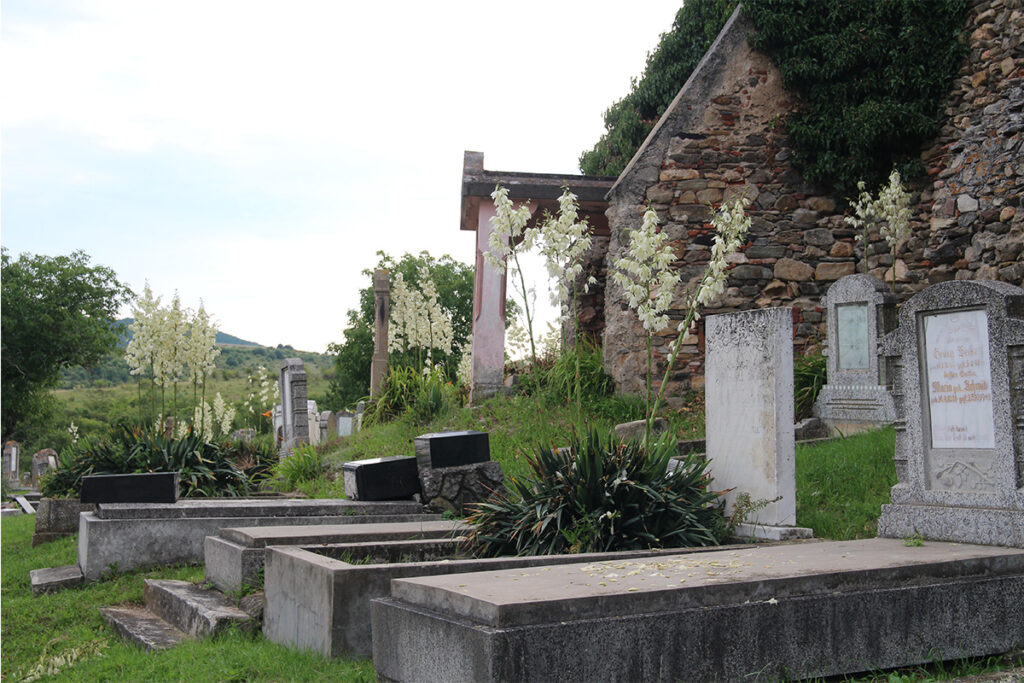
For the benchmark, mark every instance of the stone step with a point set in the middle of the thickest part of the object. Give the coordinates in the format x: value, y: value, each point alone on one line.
x: 55, y: 579
x: 196, y: 611
x: 141, y: 627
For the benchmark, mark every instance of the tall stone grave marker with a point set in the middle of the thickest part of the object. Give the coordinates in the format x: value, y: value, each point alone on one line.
x: 957, y: 368
x: 749, y: 415
x: 294, y: 405
x: 12, y: 450
x: 860, y: 312
x: 382, y: 315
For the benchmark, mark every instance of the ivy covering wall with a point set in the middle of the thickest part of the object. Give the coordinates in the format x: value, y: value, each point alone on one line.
x: 870, y: 77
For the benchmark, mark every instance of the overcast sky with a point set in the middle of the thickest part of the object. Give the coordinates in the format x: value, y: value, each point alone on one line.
x: 256, y: 155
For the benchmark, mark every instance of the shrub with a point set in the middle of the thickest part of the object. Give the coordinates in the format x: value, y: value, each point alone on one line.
x: 594, y: 384
x: 304, y: 465
x: 809, y: 375
x: 205, y: 468
x: 600, y: 495
x: 423, y: 395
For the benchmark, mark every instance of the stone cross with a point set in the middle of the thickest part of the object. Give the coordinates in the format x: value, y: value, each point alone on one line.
x: 749, y: 415
x: 956, y: 364
x: 382, y: 315
x: 294, y: 405
x: 860, y: 311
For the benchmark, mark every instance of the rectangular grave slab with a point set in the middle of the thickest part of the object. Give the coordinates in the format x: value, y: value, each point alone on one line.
x: 234, y: 556
x: 452, y: 449
x: 811, y: 610
x: 749, y: 412
x: 135, y: 535
x: 316, y: 601
x: 149, y: 487
x: 391, y: 478
x: 957, y: 370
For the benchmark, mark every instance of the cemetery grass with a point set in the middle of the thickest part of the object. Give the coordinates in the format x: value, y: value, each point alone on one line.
x: 65, y: 631
x: 841, y: 484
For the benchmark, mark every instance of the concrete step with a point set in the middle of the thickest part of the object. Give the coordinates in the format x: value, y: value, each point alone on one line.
x: 55, y: 579
x: 141, y: 627
x: 196, y: 611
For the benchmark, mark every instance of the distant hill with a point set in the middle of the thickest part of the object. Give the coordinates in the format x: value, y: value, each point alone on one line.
x: 222, y: 337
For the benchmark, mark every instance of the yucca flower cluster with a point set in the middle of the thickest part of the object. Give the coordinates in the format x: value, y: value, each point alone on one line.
x: 170, y: 344
x: 418, y: 320
x: 645, y: 274
x: 892, y: 209
x: 563, y: 240
x: 263, y: 391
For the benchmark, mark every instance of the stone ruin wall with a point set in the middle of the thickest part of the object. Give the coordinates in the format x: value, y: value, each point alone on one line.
x: 731, y: 138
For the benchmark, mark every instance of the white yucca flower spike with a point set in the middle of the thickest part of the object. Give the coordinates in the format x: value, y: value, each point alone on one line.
x: 645, y: 273
x: 562, y: 241
x: 507, y: 226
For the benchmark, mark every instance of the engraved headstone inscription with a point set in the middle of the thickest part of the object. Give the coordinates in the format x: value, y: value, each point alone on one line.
x: 860, y: 311
x: 957, y: 370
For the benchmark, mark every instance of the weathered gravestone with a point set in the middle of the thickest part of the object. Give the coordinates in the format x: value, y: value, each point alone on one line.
x: 381, y: 318
x: 749, y: 416
x: 149, y: 487
x: 456, y: 470
x: 327, y: 426
x: 11, y: 452
x: 43, y: 461
x: 294, y: 405
x: 390, y: 478
x: 860, y: 312
x: 344, y: 424
x: 957, y: 371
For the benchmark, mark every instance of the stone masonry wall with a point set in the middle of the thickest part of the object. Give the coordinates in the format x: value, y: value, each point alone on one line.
x: 725, y: 134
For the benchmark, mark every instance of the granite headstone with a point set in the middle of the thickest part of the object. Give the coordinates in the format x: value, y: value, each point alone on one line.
x: 392, y: 478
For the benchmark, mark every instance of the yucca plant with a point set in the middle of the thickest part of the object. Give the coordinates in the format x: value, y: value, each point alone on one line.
x: 599, y: 495
x: 809, y: 376
x: 204, y: 468
x: 304, y: 464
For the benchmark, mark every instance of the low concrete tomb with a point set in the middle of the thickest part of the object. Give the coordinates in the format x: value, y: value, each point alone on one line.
x: 760, y: 613
x: 317, y: 599
x: 452, y: 449
x: 749, y: 416
x: 957, y: 366
x: 234, y: 556
x: 391, y: 478
x: 135, y: 535
x: 860, y: 311
x: 147, y: 487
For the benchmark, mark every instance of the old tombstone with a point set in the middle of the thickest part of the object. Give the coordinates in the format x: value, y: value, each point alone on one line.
x: 327, y: 425
x: 360, y: 409
x: 860, y: 312
x: 450, y: 449
x: 344, y: 424
x: 148, y: 487
x: 390, y: 478
x: 956, y: 364
x: 382, y: 315
x: 43, y: 461
x: 456, y: 470
x: 294, y: 405
x: 12, y: 450
x: 749, y: 416
x: 313, y: 422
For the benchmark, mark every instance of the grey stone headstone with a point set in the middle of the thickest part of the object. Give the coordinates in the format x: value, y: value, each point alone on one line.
x: 956, y: 364
x: 749, y: 410
x: 344, y: 423
x: 43, y: 461
x: 12, y: 450
x: 295, y: 406
x: 859, y: 312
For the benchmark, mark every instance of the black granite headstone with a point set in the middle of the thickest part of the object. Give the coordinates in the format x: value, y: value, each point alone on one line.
x: 393, y: 478
x: 452, y: 449
x: 148, y: 487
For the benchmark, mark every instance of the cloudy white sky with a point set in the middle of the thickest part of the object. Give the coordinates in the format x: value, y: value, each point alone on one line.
x: 256, y: 155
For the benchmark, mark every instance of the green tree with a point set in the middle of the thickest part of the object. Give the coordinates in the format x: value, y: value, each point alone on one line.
x: 56, y: 312
x: 352, y: 357
x: 628, y: 121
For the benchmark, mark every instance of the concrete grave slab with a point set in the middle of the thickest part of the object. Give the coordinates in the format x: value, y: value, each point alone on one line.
x: 315, y: 600
x: 135, y: 535
x: 814, y: 609
x: 234, y: 556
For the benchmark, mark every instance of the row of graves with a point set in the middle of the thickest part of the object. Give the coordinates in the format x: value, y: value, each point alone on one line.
x: 383, y: 573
